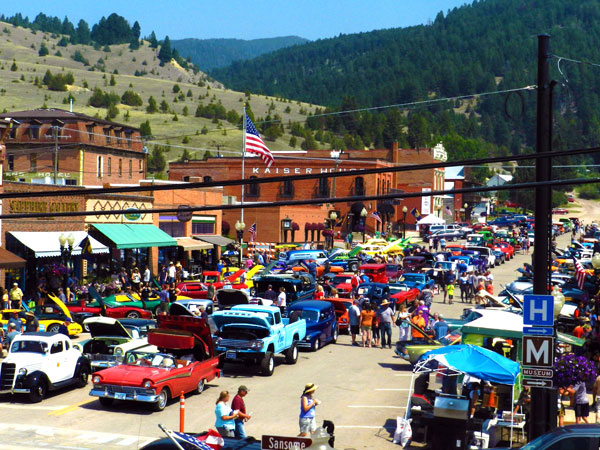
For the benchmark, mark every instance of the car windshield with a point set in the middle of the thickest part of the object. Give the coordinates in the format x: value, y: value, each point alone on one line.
x: 411, y: 277
x: 396, y: 289
x: 308, y: 314
x: 451, y: 338
x: 148, y: 359
x: 340, y: 280
x: 29, y: 347
x: 141, y: 331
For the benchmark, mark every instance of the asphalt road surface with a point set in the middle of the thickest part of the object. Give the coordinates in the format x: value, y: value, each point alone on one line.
x: 362, y: 391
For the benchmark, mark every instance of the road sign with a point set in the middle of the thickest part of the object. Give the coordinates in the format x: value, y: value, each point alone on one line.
x: 284, y: 442
x: 537, y: 372
x: 537, y: 382
x: 538, y: 331
x: 538, y: 310
x: 184, y: 213
x: 538, y: 351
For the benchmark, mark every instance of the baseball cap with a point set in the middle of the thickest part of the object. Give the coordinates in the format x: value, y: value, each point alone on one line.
x: 243, y: 388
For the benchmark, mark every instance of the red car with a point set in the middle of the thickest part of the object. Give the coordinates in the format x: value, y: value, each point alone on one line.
x: 400, y: 294
x: 199, y: 290
x: 341, y: 306
x: 186, y: 362
x: 99, y: 308
x: 345, y: 283
x: 505, y: 248
x: 560, y: 211
x: 375, y: 272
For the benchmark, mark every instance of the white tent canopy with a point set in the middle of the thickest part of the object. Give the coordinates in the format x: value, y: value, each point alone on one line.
x: 431, y: 219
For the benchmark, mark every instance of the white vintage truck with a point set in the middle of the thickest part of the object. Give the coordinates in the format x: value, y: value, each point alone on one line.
x: 41, y: 362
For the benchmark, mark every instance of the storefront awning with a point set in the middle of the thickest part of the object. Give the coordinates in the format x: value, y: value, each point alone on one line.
x: 9, y: 260
x: 125, y: 235
x: 46, y: 244
x: 221, y: 241
x: 193, y: 244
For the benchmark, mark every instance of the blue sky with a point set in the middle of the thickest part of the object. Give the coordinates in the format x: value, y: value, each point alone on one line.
x: 311, y: 19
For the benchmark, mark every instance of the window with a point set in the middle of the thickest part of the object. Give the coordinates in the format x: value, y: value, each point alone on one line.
x: 287, y: 189
x: 34, y: 131
x: 11, y: 161
x: 118, y: 138
x: 57, y: 347
x: 130, y: 168
x: 141, y: 164
x: 203, y: 228
x: 186, y: 178
x: 173, y: 228
x: 323, y: 189
x: 569, y: 443
x: 13, y: 131
x: 128, y: 138
x: 359, y: 186
x: 252, y: 190
x: 378, y: 186
x: 109, y: 166
x: 107, y: 135
x: 100, y: 167
x: 120, y: 167
x: 208, y: 179
x: 33, y: 161
x: 70, y: 182
x: 90, y: 130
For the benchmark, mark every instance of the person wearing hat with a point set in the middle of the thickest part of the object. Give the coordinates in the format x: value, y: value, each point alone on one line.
x: 308, y: 404
x: 386, y: 318
x: 31, y: 323
x: 16, y: 321
x: 16, y: 296
x: 440, y: 328
x: 238, y: 405
x: 64, y: 327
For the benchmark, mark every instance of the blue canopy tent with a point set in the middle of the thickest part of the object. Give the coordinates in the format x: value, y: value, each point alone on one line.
x: 471, y: 360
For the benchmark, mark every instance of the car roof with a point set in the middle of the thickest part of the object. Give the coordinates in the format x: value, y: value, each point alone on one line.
x: 270, y: 309
x: 44, y: 335
x: 372, y: 266
x: 311, y: 304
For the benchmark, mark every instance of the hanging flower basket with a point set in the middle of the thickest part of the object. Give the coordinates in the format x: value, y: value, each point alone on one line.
x: 570, y: 370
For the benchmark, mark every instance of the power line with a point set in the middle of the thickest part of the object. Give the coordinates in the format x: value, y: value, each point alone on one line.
x: 576, y: 61
x: 252, y: 181
x: 262, y: 205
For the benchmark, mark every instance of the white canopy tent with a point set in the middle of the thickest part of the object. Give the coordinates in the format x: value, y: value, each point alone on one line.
x: 431, y: 219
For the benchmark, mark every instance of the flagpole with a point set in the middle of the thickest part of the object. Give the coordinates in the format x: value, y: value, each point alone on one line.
x: 243, y: 175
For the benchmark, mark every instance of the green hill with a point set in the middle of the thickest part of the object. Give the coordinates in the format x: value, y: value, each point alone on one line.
x: 210, y: 54
x: 116, y: 69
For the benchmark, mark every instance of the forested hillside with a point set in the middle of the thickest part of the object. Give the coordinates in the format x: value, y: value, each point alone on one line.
x: 486, y: 46
x: 209, y: 54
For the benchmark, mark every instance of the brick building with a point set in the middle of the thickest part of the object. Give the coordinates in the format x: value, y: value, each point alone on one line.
x: 54, y: 146
x: 305, y: 218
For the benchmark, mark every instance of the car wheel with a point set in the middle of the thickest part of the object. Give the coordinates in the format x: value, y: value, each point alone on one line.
x: 106, y: 401
x: 316, y: 345
x: 133, y: 315
x: 200, y: 386
x: 335, y: 335
x: 163, y: 398
x: 53, y: 328
x: 38, y: 391
x: 291, y: 356
x: 353, y: 267
x: 82, y: 378
x: 267, y: 365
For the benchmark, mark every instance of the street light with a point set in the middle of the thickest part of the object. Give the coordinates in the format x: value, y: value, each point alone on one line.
x: 239, y: 228
x: 596, y: 260
x: 286, y: 224
x: 465, y: 206
x: 330, y: 224
x: 404, y: 211
x: 66, y: 247
x: 363, y: 215
x: 559, y: 300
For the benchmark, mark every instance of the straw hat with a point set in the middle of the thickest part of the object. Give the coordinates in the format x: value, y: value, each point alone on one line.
x: 310, y: 387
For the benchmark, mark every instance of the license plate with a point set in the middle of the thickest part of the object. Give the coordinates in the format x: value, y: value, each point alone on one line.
x: 230, y: 355
x: 120, y: 395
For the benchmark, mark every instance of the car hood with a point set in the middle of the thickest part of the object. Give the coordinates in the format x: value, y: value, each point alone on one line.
x: 32, y: 361
x: 130, y: 375
x: 106, y: 326
x: 230, y: 297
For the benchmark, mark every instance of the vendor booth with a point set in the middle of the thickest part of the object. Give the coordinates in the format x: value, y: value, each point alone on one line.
x: 446, y: 420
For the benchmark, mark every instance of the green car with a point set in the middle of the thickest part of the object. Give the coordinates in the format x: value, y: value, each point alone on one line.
x: 125, y: 299
x: 412, y: 350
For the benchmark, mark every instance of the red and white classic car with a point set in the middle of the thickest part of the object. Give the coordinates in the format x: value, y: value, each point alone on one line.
x: 185, y: 362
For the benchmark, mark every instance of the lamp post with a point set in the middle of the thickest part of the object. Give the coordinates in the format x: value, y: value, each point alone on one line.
x: 239, y: 228
x: 286, y: 224
x: 404, y: 211
x: 331, y: 224
x: 466, y: 206
x: 559, y: 300
x: 363, y: 215
x: 66, y: 249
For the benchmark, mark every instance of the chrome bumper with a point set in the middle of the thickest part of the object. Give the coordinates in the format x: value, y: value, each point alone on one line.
x: 134, y: 396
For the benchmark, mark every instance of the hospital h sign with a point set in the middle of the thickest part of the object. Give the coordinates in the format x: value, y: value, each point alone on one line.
x: 538, y: 310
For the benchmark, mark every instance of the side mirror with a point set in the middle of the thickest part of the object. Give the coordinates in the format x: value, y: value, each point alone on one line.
x: 78, y: 347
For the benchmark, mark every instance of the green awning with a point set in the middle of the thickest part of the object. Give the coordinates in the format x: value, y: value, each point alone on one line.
x: 135, y: 236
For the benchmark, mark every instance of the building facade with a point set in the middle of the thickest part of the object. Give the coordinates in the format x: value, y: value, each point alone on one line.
x: 54, y: 146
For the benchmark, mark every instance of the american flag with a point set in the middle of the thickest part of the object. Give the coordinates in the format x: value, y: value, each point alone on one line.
x: 375, y: 215
x: 580, y: 273
x: 255, y: 145
x: 188, y: 439
x: 252, y: 231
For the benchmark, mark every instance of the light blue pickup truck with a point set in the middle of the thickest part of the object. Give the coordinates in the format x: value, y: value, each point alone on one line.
x: 255, y: 334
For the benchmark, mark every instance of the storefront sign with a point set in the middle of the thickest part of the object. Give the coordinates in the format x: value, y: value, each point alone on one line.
x: 425, y: 203
x: 296, y: 170
x: 132, y: 215
x: 25, y: 206
x: 135, y: 211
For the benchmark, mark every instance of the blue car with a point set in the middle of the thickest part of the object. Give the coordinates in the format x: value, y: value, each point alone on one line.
x: 321, y: 322
x: 418, y: 280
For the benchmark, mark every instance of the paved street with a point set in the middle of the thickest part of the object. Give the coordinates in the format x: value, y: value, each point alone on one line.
x: 362, y: 390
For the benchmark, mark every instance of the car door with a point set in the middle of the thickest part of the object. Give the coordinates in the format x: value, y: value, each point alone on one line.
x: 572, y: 442
x: 60, y: 361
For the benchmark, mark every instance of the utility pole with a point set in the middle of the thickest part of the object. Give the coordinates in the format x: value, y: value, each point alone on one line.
x: 543, y: 401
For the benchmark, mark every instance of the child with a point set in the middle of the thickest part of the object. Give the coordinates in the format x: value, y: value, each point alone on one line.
x: 450, y: 290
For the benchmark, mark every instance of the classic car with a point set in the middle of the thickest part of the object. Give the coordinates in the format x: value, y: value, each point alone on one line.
x: 341, y: 307
x: 347, y: 260
x: 52, y: 314
x: 413, y: 349
x: 401, y: 293
x: 506, y: 248
x: 344, y: 283
x: 110, y: 340
x: 228, y: 298
x: 97, y: 307
x: 412, y: 264
x: 393, y: 272
x: 132, y: 299
x: 417, y: 280
x: 298, y: 286
x: 42, y: 362
x: 255, y: 334
x: 321, y: 322
x: 375, y: 292
x: 194, y: 304
x: 185, y: 362
x: 375, y: 272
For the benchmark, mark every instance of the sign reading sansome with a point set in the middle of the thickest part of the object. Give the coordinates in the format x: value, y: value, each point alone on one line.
x: 284, y: 443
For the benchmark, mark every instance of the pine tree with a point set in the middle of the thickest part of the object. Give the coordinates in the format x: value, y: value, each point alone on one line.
x: 113, y: 82
x: 43, y: 50
x: 152, y: 106
x: 145, y: 129
x: 152, y: 40
x: 14, y: 66
x: 165, y: 53
x: 83, y: 34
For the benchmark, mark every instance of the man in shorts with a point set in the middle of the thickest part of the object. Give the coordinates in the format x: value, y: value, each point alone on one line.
x: 582, y: 407
x: 354, y: 316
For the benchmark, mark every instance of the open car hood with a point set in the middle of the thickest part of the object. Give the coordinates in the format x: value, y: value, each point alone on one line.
x: 183, y: 325
x: 230, y: 297
x: 106, y: 326
x: 61, y: 305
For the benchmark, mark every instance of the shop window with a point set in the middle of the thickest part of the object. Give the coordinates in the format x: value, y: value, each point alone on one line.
x: 90, y: 130
x: 120, y: 167
x: 100, y: 167
x: 203, y: 228
x: 252, y: 190
x: 173, y: 228
x: 33, y: 161
x: 11, y: 161
x: 109, y: 166
x: 130, y: 168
